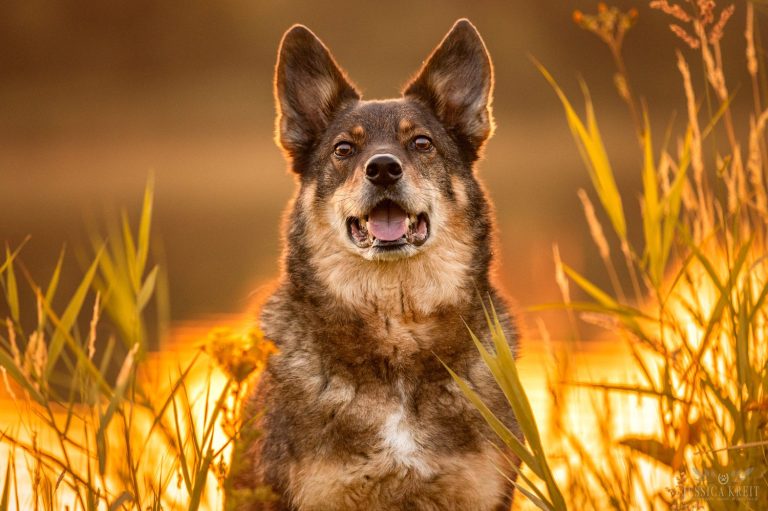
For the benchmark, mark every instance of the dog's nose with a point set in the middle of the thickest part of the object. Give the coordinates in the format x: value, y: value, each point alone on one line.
x: 383, y: 170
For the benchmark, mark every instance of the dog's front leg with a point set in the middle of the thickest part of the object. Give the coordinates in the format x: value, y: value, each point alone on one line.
x: 253, y: 482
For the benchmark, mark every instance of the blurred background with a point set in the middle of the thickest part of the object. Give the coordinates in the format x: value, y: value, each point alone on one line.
x: 96, y: 96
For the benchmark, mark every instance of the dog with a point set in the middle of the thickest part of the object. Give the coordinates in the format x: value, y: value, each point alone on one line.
x: 387, y: 258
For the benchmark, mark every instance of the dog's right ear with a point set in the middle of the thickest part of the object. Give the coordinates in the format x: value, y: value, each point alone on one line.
x: 309, y: 89
x: 456, y: 82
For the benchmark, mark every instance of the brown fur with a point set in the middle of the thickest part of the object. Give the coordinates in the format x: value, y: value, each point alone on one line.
x: 357, y: 412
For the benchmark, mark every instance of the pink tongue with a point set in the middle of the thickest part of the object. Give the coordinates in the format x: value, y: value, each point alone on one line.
x: 387, y: 222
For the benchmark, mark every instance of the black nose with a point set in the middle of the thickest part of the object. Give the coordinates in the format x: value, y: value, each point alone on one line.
x: 383, y: 170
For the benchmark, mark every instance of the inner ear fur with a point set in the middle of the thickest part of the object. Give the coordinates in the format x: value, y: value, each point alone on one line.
x: 309, y: 89
x: 456, y: 82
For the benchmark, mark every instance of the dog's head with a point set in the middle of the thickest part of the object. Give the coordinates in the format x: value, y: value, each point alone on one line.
x: 387, y: 182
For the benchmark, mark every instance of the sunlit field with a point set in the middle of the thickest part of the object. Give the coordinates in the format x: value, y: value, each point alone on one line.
x: 653, y: 394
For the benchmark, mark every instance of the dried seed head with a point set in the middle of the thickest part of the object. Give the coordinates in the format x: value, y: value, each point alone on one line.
x: 697, y: 159
x: 595, y: 228
x: 7, y: 383
x: 706, y: 9
x: 673, y: 10
x: 604, y: 321
x: 685, y: 36
x: 734, y: 181
x: 12, y: 340
x: 749, y: 34
x: 560, y: 278
x: 755, y: 161
x: 716, y: 33
x: 125, y: 369
x: 94, y: 323
x: 36, y: 359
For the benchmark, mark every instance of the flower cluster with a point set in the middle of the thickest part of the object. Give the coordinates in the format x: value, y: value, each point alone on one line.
x: 239, y: 354
x: 609, y: 24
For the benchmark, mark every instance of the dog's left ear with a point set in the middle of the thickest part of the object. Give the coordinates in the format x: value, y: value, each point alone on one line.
x: 309, y: 88
x: 456, y: 82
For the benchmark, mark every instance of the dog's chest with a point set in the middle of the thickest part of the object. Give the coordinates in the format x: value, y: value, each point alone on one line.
x: 399, y: 339
x: 405, y: 337
x: 388, y: 423
x: 405, y: 449
x: 398, y: 441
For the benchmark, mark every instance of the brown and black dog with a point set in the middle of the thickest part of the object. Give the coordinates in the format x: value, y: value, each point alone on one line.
x: 388, y: 249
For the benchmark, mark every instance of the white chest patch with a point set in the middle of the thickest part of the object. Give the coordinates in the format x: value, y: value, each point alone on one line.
x: 402, y: 447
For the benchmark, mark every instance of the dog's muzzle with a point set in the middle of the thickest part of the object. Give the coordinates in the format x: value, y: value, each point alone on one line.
x: 388, y: 226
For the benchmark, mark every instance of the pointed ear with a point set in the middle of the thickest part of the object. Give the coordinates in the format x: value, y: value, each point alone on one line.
x: 456, y: 82
x: 309, y: 90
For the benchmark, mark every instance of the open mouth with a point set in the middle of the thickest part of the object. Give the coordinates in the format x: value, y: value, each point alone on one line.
x: 388, y: 227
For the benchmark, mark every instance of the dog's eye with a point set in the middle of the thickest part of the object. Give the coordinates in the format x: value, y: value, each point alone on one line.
x: 344, y: 149
x: 422, y: 143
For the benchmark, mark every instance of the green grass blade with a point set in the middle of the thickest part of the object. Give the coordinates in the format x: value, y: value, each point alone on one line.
x: 145, y: 224
x: 128, y: 254
x: 11, y: 289
x: 650, y: 447
x: 175, y: 386
x: 651, y: 210
x: 619, y: 310
x: 673, y: 203
x: 124, y: 498
x: 506, y: 436
x: 595, y: 292
x: 724, y: 106
x: 535, y: 499
x: 183, y: 464
x: 512, y: 386
x: 629, y: 389
x: 70, y: 315
x: 200, y: 482
x: 605, y: 183
x: 504, y: 370
x: 5, y: 497
x: 593, y: 152
x: 53, y: 283
x: 147, y: 289
x: 743, y: 369
x: 202, y: 471
x: 77, y: 350
x: 722, y: 302
x: 124, y: 378
x: 10, y: 258
x: 18, y: 376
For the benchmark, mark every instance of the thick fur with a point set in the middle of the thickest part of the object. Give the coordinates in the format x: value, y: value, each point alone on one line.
x: 357, y: 411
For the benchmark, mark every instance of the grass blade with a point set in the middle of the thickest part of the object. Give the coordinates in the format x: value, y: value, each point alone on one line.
x: 70, y: 315
x: 593, y: 152
x: 5, y: 497
x: 11, y: 288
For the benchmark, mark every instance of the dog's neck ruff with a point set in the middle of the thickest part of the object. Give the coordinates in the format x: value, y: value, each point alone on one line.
x: 413, y: 287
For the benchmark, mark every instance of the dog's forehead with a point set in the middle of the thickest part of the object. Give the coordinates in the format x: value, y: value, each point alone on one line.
x: 386, y: 116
